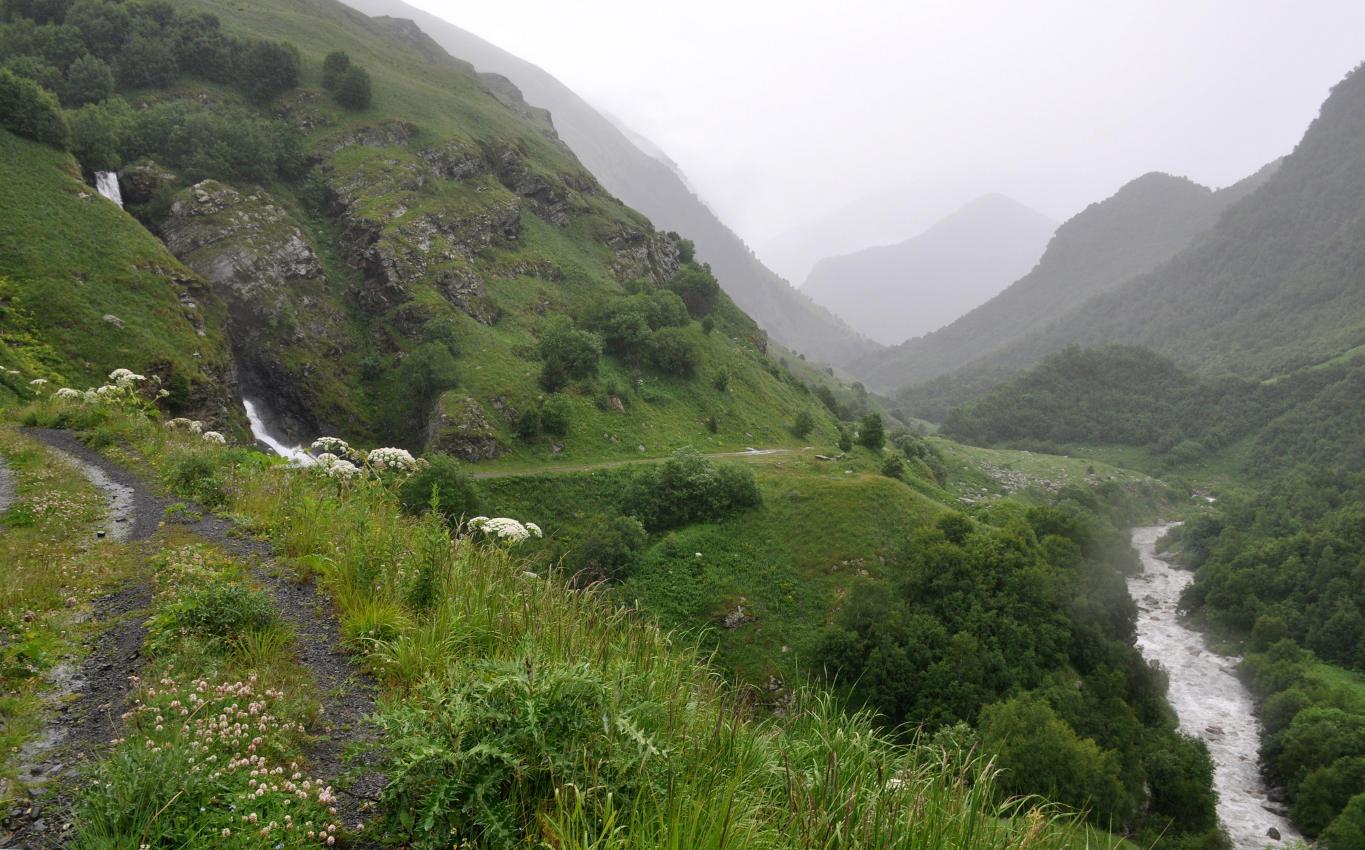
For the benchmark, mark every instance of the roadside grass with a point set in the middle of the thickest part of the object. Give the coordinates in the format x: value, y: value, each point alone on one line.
x: 53, y: 567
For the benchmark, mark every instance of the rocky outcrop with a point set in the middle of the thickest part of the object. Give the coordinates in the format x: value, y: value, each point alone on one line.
x: 641, y: 254
x: 258, y: 261
x: 140, y: 181
x: 461, y: 429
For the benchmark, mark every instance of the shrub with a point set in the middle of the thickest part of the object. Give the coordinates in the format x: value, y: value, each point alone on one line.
x: 893, y: 467
x: 697, y: 287
x: 444, y: 480
x: 336, y: 64
x: 221, y: 610
x: 555, y: 415
x: 721, y: 380
x: 569, y: 353
x: 194, y: 475
x: 871, y: 433
x: 609, y: 547
x: 29, y: 110
x: 88, y: 80
x: 528, y: 423
x: 804, y: 424
x: 845, y: 439
x: 673, y: 351
x: 273, y: 68
x: 690, y: 487
x: 353, y: 89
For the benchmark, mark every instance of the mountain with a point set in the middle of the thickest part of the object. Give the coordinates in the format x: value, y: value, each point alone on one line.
x: 1277, y: 284
x: 654, y: 188
x: 892, y: 293
x: 1142, y: 225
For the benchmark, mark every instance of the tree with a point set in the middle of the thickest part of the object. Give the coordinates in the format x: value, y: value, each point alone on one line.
x: 697, y: 287
x: 569, y: 353
x: 871, y: 433
x: 336, y: 64
x: 88, y: 80
x: 269, y: 67
x: 803, y: 425
x: 353, y: 89
x: 555, y: 415
x: 145, y: 62
x: 97, y: 133
x: 28, y: 110
x: 674, y: 351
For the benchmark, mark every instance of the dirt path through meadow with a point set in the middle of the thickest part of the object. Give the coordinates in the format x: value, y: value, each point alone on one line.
x: 90, y: 699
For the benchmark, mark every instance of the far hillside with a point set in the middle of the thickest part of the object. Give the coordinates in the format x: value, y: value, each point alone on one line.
x: 895, y: 292
x: 1275, y: 285
x: 1143, y: 224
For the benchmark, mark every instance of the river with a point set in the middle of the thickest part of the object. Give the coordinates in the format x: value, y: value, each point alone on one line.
x: 1211, y: 702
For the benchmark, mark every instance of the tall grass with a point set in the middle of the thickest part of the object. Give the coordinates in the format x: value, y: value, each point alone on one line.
x: 523, y: 713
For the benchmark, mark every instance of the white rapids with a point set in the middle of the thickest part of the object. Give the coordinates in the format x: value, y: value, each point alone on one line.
x: 106, y: 183
x: 1211, y: 702
x: 294, y: 454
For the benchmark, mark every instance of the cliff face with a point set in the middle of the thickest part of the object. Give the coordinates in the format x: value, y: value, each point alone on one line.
x: 262, y: 265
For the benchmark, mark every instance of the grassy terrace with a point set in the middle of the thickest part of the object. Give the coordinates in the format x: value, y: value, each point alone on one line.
x: 513, y: 712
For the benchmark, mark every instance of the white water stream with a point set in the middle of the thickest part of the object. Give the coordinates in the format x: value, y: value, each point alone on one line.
x: 295, y: 454
x: 1209, y: 699
x: 106, y: 183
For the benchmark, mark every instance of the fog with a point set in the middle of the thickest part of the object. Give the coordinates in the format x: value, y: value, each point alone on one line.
x: 818, y: 128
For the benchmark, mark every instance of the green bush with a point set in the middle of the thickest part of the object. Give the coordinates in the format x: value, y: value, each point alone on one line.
x: 194, y: 475
x: 893, y: 466
x: 222, y: 610
x: 555, y: 415
x: 336, y: 64
x: 28, y: 110
x: 528, y: 423
x: 353, y: 89
x: 804, y: 424
x: 690, y: 487
x: 454, y: 491
x: 485, y: 754
x: 673, y: 350
x: 609, y: 547
x: 88, y: 80
x: 871, y: 432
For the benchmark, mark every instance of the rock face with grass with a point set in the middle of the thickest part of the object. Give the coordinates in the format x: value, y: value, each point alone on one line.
x: 261, y: 263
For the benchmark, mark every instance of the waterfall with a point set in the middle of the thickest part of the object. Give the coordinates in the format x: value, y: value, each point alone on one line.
x: 106, y: 182
x: 295, y: 454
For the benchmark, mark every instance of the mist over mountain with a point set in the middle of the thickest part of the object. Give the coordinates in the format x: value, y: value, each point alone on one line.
x: 892, y: 293
x: 653, y: 187
x: 1140, y: 226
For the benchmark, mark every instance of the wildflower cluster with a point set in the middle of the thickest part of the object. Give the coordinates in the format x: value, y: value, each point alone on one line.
x: 503, y: 528
x: 338, y: 459
x: 180, y: 423
x: 121, y: 391
x: 227, y: 741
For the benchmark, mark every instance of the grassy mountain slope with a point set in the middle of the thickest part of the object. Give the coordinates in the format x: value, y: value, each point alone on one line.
x: 1143, y: 224
x: 390, y: 270
x: 85, y: 290
x: 896, y: 292
x: 651, y: 186
x: 1278, y: 283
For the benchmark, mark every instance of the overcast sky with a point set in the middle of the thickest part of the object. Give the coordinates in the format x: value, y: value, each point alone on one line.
x: 816, y: 128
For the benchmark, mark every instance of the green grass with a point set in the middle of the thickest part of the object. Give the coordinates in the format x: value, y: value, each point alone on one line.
x: 658, y: 750
x: 68, y: 257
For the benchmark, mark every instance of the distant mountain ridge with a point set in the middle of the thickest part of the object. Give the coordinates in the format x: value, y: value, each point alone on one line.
x: 896, y: 292
x: 1143, y: 224
x: 652, y: 187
